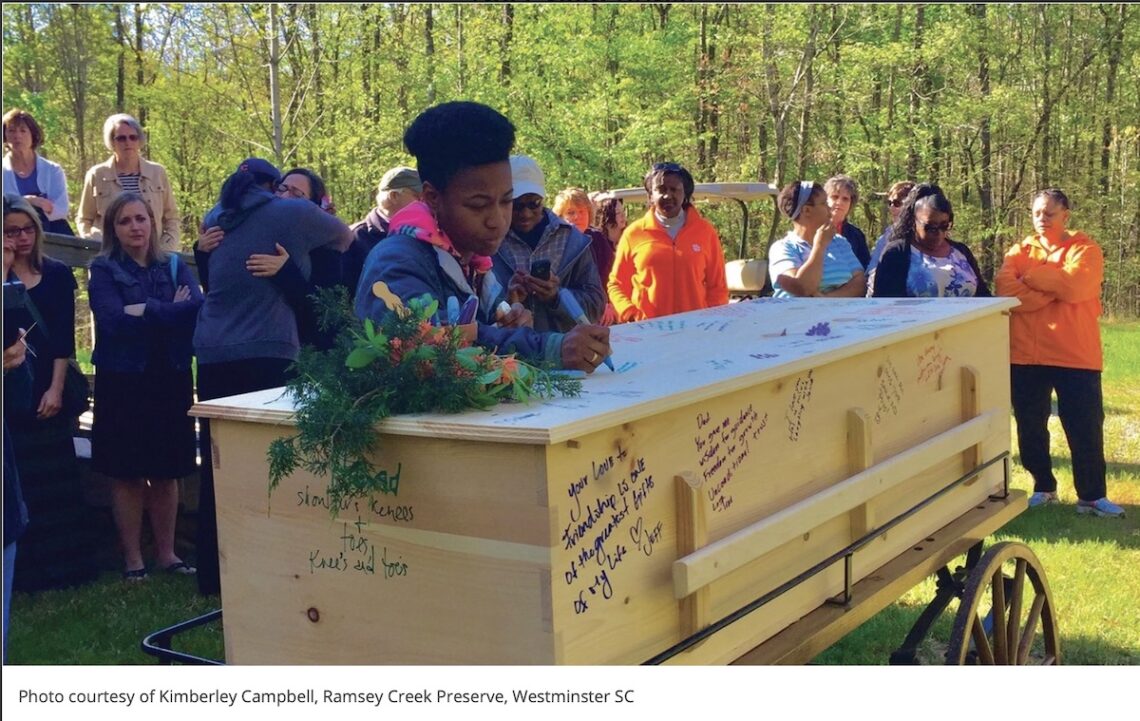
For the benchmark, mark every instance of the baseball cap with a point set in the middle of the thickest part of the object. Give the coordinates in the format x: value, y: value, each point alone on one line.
x: 526, y: 176
x: 259, y: 166
x: 402, y: 177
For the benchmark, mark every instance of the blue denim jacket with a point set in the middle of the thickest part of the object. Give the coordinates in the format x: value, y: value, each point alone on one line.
x: 123, y: 342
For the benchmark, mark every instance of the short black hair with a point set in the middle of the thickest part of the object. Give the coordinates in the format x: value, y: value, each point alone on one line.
x: 786, y: 200
x: 453, y: 136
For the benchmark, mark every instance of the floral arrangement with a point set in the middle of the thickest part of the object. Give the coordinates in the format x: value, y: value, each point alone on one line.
x: 405, y: 364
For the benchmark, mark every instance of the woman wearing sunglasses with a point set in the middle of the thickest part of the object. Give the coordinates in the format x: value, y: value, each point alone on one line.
x: 896, y: 196
x: 126, y: 169
x: 920, y: 260
x: 670, y: 260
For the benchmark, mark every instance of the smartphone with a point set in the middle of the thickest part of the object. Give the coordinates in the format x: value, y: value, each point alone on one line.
x: 540, y: 269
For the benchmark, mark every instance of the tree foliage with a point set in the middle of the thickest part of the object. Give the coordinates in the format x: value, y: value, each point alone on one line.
x: 991, y: 101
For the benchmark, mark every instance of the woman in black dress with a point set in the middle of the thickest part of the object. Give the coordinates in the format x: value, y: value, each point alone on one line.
x: 145, y: 305
x: 58, y: 549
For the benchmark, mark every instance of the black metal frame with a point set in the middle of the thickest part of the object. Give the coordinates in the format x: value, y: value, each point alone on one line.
x: 158, y: 643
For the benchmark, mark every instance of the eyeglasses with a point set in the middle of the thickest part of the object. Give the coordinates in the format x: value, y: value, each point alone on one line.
x: 932, y: 228
x: 895, y: 203
x: 291, y: 191
x: 13, y: 233
x: 124, y: 138
x: 668, y: 167
x: 528, y: 204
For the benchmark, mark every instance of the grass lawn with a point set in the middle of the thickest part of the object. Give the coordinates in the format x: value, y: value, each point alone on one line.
x: 1092, y: 565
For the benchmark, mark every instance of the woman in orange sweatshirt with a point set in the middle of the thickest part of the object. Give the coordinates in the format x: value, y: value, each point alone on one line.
x: 1055, y: 345
x: 669, y: 260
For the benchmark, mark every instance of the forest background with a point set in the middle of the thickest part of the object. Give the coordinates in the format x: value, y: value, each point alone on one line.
x: 992, y: 102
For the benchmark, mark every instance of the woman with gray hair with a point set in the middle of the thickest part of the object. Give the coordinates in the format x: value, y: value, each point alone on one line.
x: 842, y: 196
x: 126, y: 169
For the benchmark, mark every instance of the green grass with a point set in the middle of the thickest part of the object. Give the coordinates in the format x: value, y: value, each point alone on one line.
x: 1091, y: 565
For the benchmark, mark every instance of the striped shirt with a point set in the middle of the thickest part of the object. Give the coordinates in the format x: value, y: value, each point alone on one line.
x: 791, y: 252
x: 130, y: 182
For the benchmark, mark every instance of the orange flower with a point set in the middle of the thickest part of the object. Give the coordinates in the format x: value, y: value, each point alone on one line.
x: 510, y: 370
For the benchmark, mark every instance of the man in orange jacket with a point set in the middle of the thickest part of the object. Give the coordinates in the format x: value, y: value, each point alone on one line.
x: 670, y: 260
x: 1055, y: 345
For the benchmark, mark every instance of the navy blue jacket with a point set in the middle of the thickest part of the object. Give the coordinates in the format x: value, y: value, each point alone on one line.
x: 858, y: 243
x: 124, y: 343
x: 412, y: 268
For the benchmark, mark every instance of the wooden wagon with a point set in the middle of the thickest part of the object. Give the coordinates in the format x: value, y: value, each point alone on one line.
x: 752, y: 482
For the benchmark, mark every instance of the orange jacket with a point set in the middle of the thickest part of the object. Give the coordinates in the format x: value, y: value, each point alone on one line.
x: 654, y: 276
x: 1059, y: 289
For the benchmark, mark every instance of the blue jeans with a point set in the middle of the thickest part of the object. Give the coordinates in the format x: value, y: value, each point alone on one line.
x: 9, y: 571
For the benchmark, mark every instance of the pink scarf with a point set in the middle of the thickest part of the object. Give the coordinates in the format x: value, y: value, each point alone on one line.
x: 418, y: 221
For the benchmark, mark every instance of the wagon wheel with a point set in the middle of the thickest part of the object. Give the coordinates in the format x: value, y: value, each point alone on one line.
x: 999, y: 615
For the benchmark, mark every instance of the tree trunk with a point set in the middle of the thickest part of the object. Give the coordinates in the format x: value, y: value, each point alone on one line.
x: 275, y: 82
x: 400, y: 60
x: 990, y: 251
x: 140, y: 75
x: 918, y: 73
x: 1115, y: 31
x: 702, y: 92
x: 505, y: 44
x: 459, y: 47
x: 809, y: 94
x: 429, y: 53
x: 895, y: 35
x: 120, y: 61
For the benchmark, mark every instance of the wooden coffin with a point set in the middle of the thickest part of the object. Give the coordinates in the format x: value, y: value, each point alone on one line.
x: 733, y: 448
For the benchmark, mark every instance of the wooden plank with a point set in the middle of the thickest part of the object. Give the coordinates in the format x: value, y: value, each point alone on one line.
x: 972, y: 408
x: 692, y: 534
x: 862, y: 457
x: 78, y: 252
x: 722, y: 557
x: 815, y: 632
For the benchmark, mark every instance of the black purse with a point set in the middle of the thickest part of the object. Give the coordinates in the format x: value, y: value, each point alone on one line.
x: 76, y: 397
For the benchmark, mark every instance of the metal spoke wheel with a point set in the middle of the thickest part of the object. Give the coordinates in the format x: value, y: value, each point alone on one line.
x: 1001, y: 616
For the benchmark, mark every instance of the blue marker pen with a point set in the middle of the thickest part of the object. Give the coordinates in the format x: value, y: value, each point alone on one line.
x: 570, y: 303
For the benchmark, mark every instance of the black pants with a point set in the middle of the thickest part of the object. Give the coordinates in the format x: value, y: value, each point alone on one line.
x: 218, y: 380
x: 1080, y: 405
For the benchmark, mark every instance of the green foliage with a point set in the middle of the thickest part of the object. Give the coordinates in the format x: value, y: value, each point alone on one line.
x: 600, y: 91
x: 403, y: 365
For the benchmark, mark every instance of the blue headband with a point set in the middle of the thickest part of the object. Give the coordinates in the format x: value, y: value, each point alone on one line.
x: 806, y: 186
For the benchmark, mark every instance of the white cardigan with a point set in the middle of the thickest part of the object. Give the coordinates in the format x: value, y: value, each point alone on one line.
x: 50, y: 178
